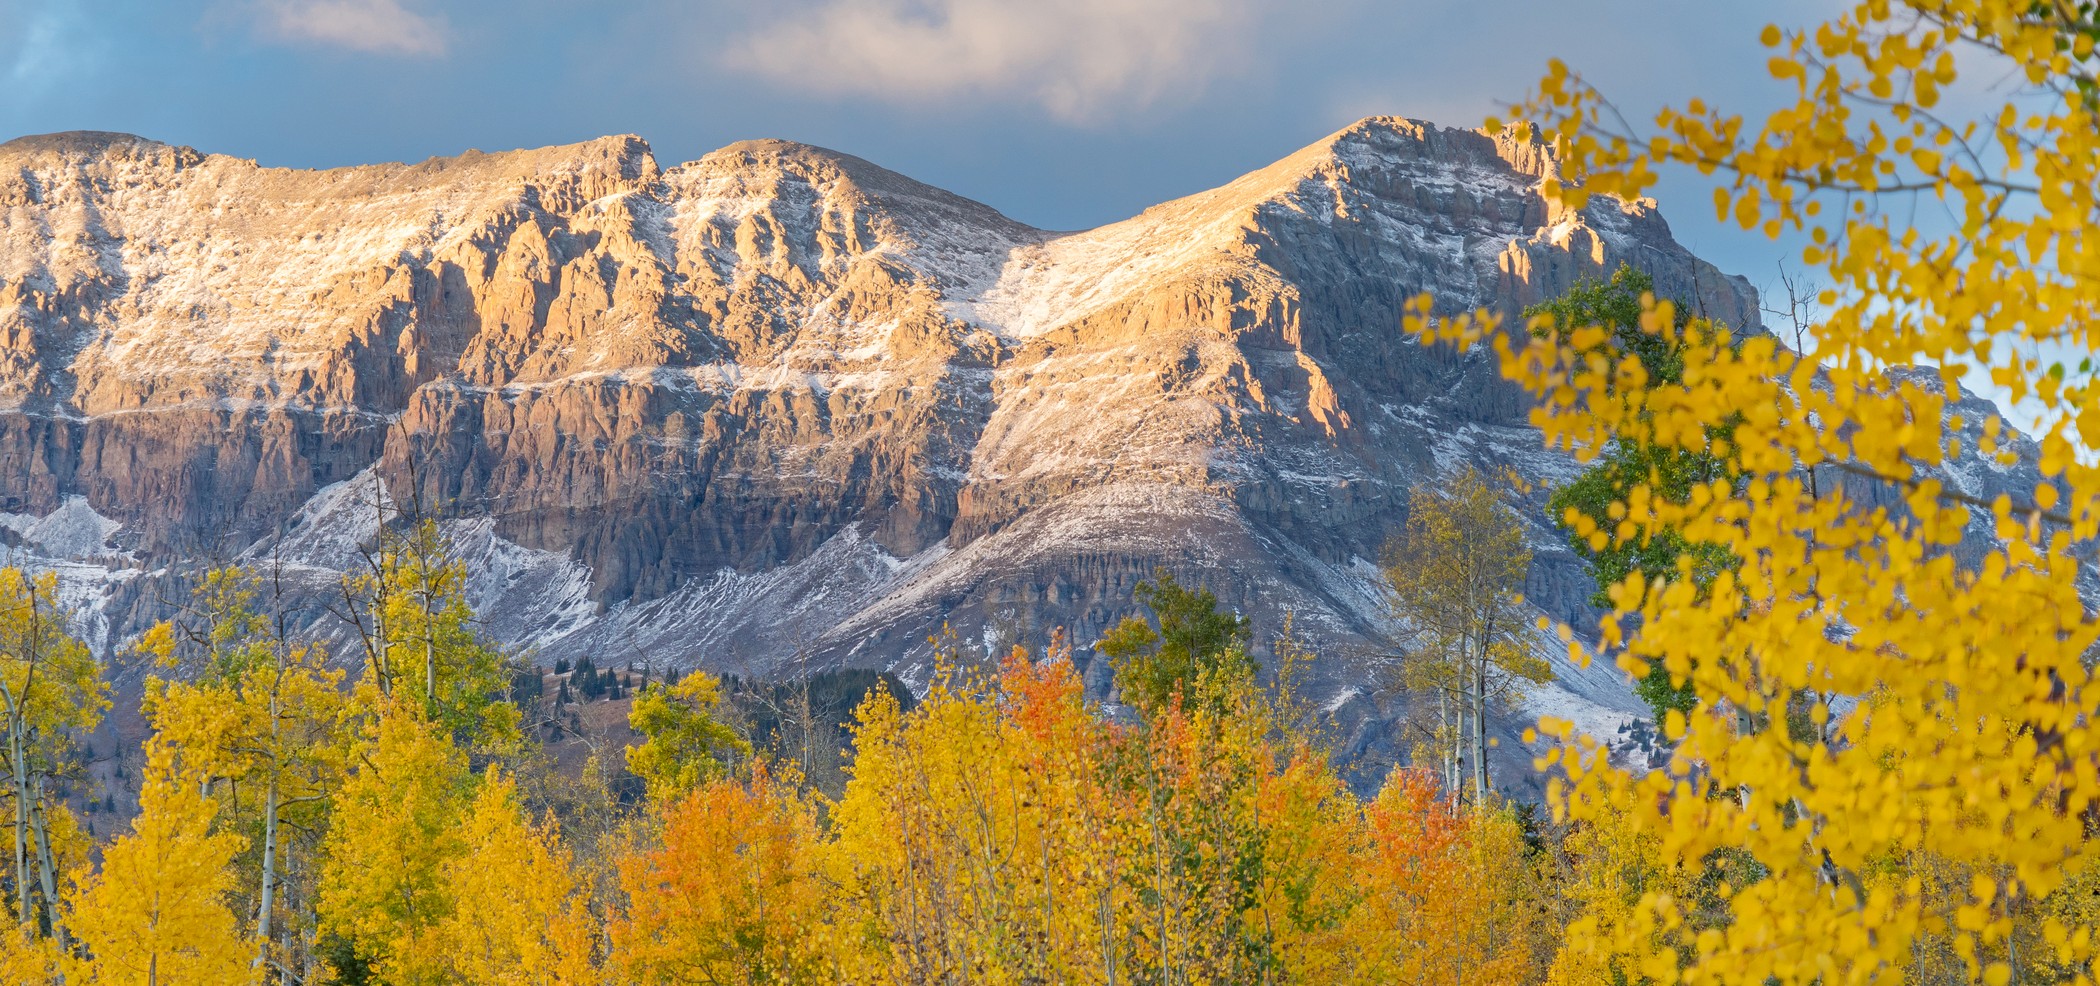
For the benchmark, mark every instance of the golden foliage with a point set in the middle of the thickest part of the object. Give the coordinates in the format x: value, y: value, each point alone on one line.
x: 1873, y: 713
x: 157, y: 913
x: 1450, y: 893
x: 1008, y: 834
x: 520, y: 914
x: 392, y: 849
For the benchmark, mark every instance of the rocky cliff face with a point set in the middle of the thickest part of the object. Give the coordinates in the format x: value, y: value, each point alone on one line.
x: 778, y: 404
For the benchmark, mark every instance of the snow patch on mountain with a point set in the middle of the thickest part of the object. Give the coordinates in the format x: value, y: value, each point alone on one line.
x: 76, y: 542
x: 73, y: 531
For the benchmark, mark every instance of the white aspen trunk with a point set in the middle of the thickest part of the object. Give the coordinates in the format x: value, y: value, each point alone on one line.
x: 19, y: 773
x: 1443, y: 733
x: 266, y: 907
x: 1108, y: 924
x: 428, y: 592
x: 1452, y: 737
x: 381, y: 646
x: 1480, y: 732
x: 47, y: 867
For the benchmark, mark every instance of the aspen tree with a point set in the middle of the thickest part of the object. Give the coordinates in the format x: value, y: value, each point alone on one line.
x: 158, y: 913
x: 394, y: 838
x: 732, y: 894
x: 520, y: 913
x: 1946, y: 704
x: 413, y: 621
x: 684, y: 743
x: 51, y: 690
x: 1457, y: 576
x: 1193, y: 640
x: 263, y: 724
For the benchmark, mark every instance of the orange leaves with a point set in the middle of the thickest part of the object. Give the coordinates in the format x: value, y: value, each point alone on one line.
x: 730, y: 894
x: 1445, y: 890
x: 1413, y: 825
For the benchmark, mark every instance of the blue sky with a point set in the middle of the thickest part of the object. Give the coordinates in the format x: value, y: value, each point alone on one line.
x: 1062, y: 113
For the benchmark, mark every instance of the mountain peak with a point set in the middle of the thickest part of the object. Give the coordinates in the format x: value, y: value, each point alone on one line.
x: 617, y: 157
x: 765, y: 161
x: 817, y: 164
x: 75, y: 141
x: 88, y: 144
x: 1350, y: 155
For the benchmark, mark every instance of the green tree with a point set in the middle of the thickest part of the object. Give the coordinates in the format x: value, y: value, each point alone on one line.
x: 1668, y: 472
x: 684, y: 742
x: 409, y: 608
x: 1193, y: 646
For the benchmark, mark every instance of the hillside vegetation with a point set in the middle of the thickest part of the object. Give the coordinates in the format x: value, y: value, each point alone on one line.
x: 1883, y: 727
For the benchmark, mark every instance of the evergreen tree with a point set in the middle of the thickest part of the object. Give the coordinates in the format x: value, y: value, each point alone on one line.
x: 1666, y: 471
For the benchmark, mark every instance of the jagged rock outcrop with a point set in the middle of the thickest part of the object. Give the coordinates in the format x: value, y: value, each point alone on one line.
x: 778, y: 401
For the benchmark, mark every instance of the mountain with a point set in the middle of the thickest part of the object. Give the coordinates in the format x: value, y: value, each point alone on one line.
x: 780, y: 406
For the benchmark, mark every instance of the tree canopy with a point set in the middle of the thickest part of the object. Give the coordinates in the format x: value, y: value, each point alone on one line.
x: 1897, y: 736
x: 1193, y: 644
x: 1584, y: 505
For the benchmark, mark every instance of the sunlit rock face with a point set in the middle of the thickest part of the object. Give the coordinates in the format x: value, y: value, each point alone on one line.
x: 780, y: 406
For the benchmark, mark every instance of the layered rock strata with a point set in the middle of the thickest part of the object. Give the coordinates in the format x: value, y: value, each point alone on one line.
x: 780, y: 405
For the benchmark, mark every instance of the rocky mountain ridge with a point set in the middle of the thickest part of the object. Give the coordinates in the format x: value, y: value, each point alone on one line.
x: 780, y: 405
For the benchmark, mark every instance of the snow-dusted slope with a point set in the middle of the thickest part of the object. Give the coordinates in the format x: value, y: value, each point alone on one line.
x: 779, y: 404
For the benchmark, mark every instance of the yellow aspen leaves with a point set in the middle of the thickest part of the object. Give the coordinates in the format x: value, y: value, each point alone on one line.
x: 1895, y: 707
x: 158, y: 914
x: 520, y: 912
x: 386, y: 870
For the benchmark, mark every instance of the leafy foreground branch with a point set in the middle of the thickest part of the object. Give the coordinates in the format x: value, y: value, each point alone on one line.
x: 1880, y: 688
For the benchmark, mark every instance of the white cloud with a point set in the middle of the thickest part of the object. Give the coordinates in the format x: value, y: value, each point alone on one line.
x: 1079, y: 59
x: 383, y: 27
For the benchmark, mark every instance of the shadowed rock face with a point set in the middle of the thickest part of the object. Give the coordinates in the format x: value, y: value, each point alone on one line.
x: 778, y: 401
